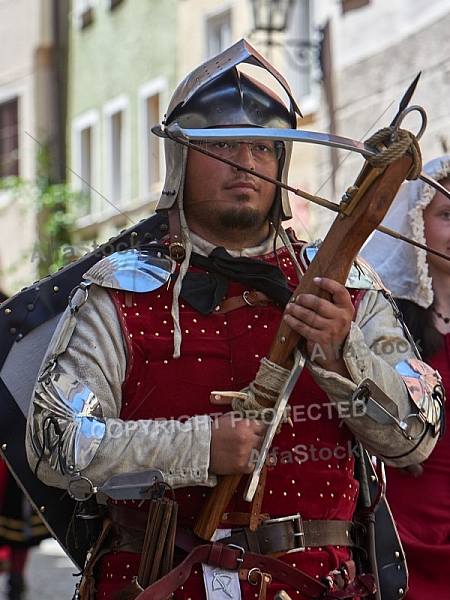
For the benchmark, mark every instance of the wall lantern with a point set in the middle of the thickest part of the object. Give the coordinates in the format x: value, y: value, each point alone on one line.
x: 271, y: 15
x: 275, y: 16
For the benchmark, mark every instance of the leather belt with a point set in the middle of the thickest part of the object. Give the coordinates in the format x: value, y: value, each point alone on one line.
x: 273, y: 536
x: 291, y: 534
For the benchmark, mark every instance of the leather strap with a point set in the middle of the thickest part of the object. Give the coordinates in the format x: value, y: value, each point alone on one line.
x: 255, y: 522
x: 257, y: 578
x: 176, y: 248
x: 217, y: 555
x: 292, y: 534
x: 253, y: 298
x: 241, y: 519
x: 127, y: 517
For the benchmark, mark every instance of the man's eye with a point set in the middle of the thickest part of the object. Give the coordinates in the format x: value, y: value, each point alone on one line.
x: 222, y: 145
x: 264, y: 148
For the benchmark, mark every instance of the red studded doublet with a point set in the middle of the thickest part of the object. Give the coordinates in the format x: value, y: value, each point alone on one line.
x: 314, y: 472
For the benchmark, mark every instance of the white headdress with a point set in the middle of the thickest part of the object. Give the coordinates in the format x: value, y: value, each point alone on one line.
x: 403, y: 267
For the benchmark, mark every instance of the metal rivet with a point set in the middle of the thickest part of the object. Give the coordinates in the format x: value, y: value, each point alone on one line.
x: 7, y: 311
x: 397, y: 554
x: 401, y: 591
x: 134, y: 234
x: 4, y: 446
x: 55, y: 288
x: 13, y: 331
x: 42, y: 509
x: 30, y: 307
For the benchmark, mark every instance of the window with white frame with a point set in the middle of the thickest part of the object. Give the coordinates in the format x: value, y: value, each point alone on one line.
x: 302, y: 56
x: 218, y: 32
x: 116, y: 155
x: 152, y: 101
x: 9, y: 137
x: 84, y: 177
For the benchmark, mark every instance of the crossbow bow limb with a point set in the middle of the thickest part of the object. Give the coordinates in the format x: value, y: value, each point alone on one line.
x: 189, y: 137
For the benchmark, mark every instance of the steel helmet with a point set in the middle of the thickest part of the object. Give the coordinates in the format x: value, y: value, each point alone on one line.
x: 217, y: 94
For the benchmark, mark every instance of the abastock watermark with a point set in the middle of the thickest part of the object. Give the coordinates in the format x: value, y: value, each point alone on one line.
x: 302, y: 453
x: 360, y: 349
x: 52, y: 252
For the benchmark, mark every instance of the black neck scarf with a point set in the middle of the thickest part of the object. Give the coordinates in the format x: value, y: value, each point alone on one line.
x: 205, y: 291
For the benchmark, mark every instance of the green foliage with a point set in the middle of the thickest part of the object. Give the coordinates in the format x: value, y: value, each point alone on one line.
x: 12, y: 182
x: 55, y: 203
x: 57, y: 207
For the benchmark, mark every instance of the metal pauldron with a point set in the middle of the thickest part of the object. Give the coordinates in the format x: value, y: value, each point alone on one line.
x: 67, y: 424
x: 424, y: 386
x: 133, y: 270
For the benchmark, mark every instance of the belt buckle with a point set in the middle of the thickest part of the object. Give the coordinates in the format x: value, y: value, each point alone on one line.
x: 299, y: 533
x: 239, y: 559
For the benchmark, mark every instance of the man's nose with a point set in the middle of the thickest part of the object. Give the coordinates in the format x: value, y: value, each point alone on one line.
x: 244, y: 155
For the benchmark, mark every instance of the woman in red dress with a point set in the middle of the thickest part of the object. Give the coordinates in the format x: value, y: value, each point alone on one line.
x: 420, y: 283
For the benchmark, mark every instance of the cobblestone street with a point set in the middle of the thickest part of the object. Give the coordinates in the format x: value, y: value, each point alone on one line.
x: 49, y: 574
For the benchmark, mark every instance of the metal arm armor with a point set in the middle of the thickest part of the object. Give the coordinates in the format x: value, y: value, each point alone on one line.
x: 425, y: 389
x: 67, y: 424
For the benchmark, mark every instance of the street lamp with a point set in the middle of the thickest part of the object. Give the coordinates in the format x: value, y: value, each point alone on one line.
x: 275, y: 16
x: 271, y: 15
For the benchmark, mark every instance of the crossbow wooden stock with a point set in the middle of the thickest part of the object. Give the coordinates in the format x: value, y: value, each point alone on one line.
x: 362, y: 210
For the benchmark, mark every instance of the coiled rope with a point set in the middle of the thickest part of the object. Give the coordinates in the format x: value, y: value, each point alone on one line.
x: 404, y: 141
